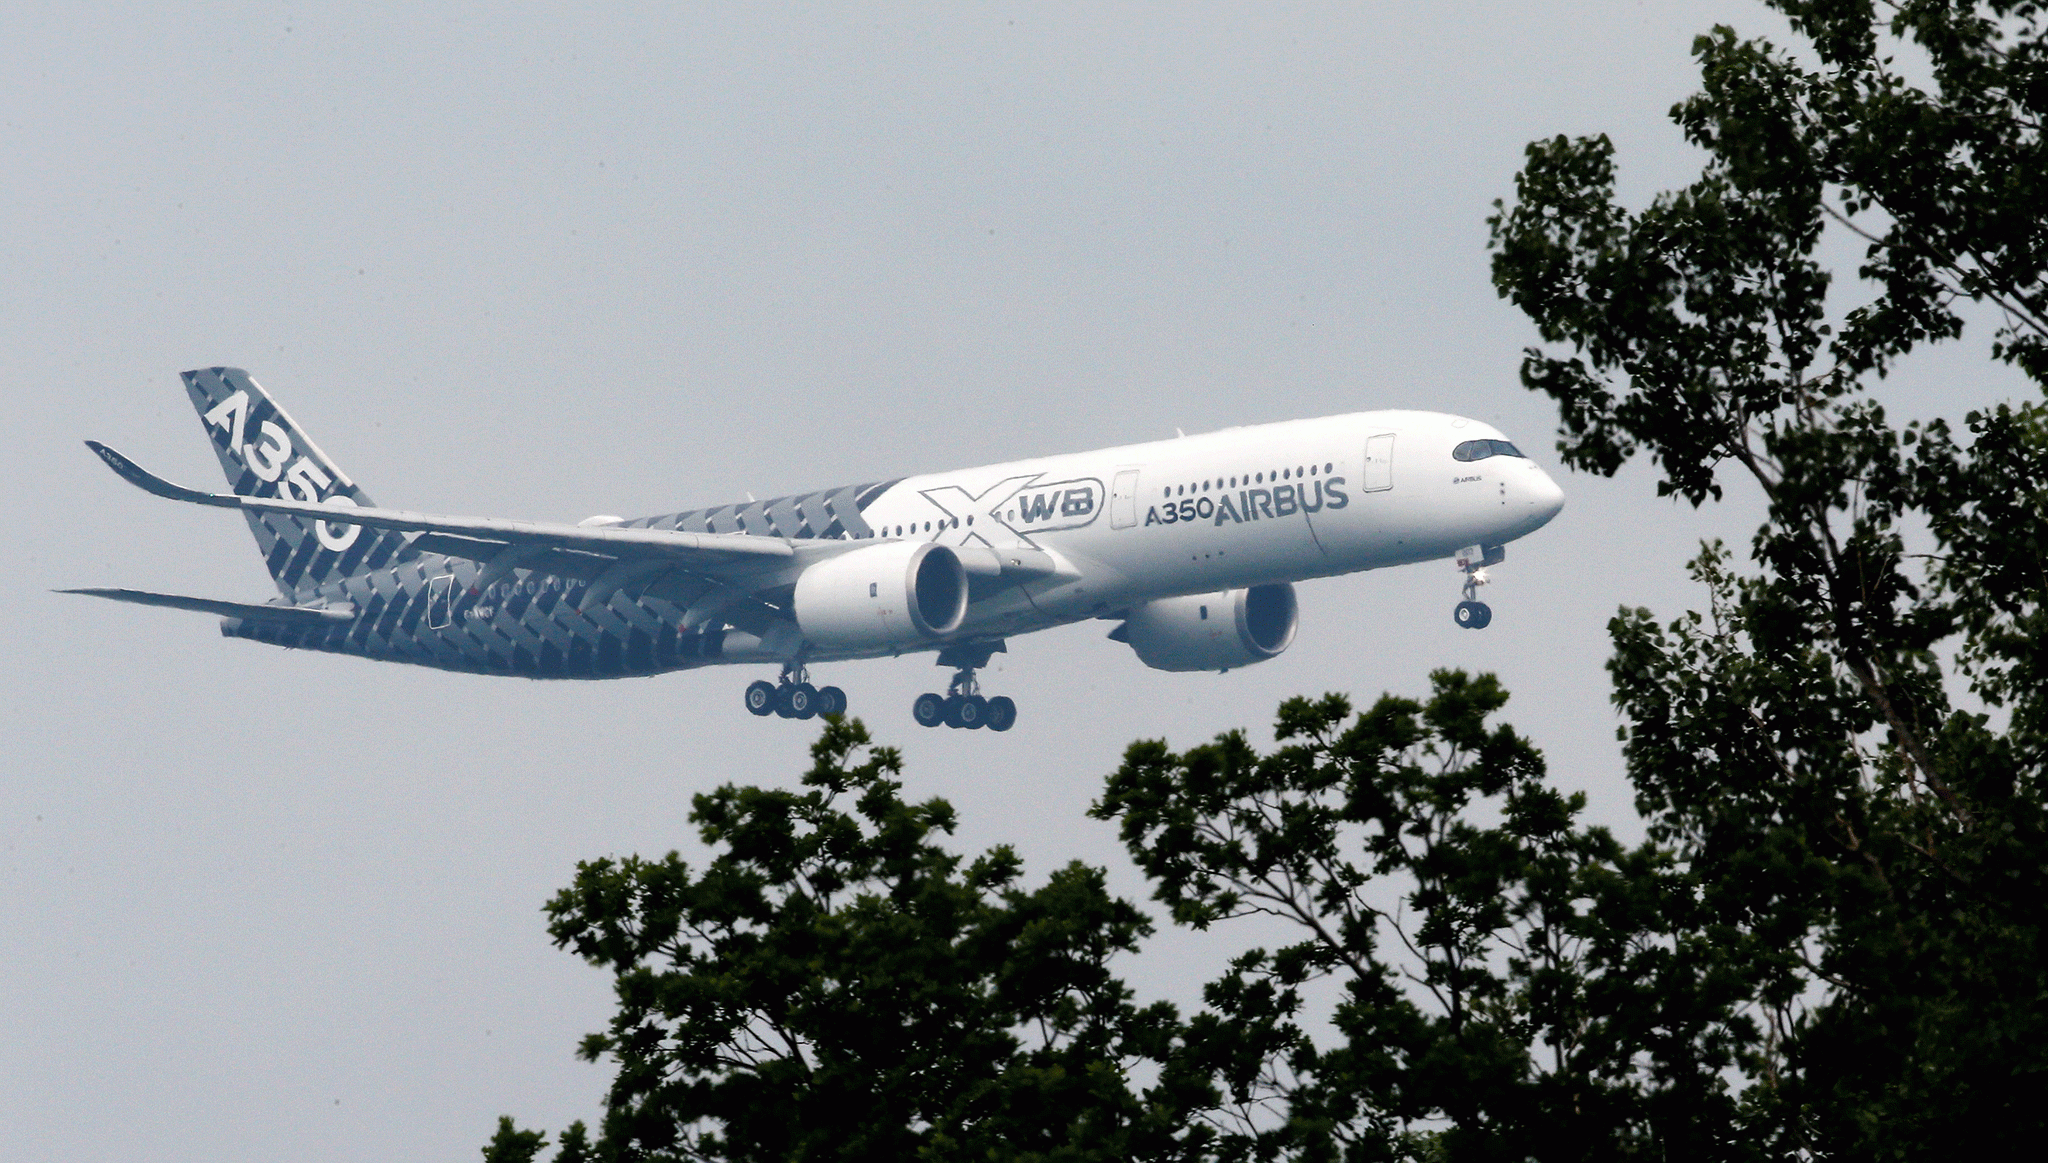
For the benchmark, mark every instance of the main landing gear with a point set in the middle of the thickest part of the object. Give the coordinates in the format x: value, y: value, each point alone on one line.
x: 794, y: 697
x: 1473, y: 614
x: 962, y: 706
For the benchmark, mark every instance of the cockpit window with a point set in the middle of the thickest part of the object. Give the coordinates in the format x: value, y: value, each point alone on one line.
x: 1481, y: 449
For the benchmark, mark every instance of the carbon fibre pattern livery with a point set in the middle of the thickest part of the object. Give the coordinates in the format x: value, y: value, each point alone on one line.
x: 264, y: 453
x: 835, y: 513
x: 483, y: 606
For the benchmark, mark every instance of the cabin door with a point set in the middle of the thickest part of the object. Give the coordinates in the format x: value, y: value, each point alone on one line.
x: 1123, y: 500
x: 1379, y: 464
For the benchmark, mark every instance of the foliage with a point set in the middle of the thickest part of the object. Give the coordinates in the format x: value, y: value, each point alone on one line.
x: 1711, y: 303
x: 1504, y: 988
x: 512, y: 1145
x: 836, y: 985
x: 1867, y: 849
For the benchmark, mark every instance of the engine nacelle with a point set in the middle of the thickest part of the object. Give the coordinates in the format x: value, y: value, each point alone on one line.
x: 1212, y: 631
x: 899, y: 593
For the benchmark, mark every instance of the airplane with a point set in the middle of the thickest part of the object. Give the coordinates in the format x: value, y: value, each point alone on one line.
x: 1191, y: 545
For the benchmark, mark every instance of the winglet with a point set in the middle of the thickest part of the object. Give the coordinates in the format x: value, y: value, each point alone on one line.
x: 149, y: 482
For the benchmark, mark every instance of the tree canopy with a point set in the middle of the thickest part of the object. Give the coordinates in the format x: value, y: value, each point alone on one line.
x: 834, y: 984
x: 1843, y: 751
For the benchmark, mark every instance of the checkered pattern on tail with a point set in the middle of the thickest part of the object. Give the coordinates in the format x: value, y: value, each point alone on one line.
x: 265, y: 454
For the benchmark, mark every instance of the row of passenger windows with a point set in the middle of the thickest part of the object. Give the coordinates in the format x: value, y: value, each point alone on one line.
x: 1257, y: 478
x: 914, y: 528
x: 1481, y: 449
x: 532, y: 585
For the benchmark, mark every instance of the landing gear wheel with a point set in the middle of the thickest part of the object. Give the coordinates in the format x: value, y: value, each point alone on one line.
x: 966, y: 711
x: 1474, y: 615
x: 831, y: 700
x: 1002, y: 713
x: 929, y: 710
x: 761, y: 698
x: 802, y: 700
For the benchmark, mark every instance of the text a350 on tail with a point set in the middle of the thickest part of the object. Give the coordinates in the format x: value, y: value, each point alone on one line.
x: 1190, y: 545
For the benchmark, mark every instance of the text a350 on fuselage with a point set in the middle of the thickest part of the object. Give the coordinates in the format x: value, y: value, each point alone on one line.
x: 1190, y: 545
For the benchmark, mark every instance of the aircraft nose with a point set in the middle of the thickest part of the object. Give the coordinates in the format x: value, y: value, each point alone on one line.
x: 1545, y: 498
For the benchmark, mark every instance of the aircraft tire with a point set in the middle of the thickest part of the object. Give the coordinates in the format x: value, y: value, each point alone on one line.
x: 971, y: 713
x: 1471, y: 615
x: 1485, y: 615
x: 929, y: 710
x: 803, y: 700
x: 831, y: 700
x: 761, y: 698
x: 1002, y: 713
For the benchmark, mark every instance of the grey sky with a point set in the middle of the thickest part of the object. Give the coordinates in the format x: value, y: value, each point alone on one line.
x: 539, y: 263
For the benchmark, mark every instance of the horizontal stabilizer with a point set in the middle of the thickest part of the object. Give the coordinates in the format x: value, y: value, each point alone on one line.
x: 256, y: 611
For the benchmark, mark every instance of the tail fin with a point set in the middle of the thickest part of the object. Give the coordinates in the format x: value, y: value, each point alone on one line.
x: 265, y: 454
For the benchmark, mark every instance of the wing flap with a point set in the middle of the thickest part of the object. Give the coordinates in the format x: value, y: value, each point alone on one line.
x: 449, y: 545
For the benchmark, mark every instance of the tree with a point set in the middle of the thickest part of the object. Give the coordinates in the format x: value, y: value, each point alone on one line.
x: 1507, y: 982
x: 512, y: 1145
x: 1845, y: 749
x: 836, y: 985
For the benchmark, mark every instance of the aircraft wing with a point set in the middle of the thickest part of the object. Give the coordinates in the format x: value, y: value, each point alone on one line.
x: 487, y: 535
x: 252, y: 611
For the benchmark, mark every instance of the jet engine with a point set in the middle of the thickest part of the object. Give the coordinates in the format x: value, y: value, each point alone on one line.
x: 897, y: 594
x: 1212, y: 631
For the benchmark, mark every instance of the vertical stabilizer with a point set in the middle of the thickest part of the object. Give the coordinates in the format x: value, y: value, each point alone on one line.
x: 265, y: 454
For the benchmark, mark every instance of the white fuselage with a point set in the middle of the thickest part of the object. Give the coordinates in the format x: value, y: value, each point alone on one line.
x: 1244, y: 506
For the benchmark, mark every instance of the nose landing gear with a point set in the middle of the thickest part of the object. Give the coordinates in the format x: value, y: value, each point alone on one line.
x: 1473, y: 614
x: 962, y: 706
x: 794, y: 697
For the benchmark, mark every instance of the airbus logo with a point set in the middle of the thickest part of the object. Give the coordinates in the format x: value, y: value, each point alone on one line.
x: 1024, y: 505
